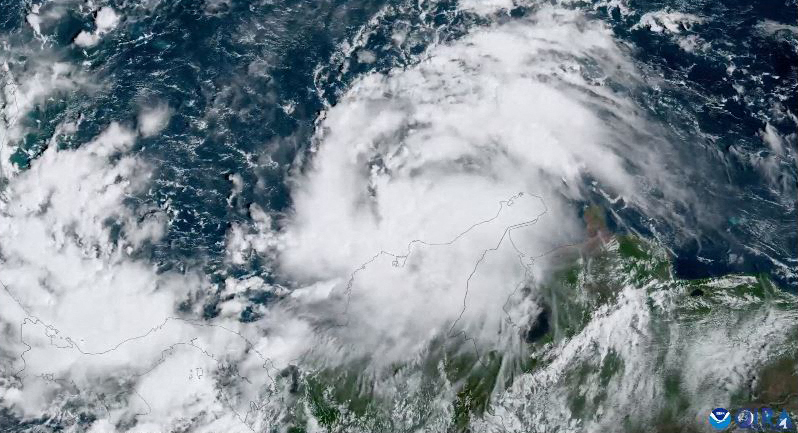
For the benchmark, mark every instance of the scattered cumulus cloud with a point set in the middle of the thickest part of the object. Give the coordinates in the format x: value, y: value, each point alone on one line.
x: 105, y: 20
x: 153, y: 120
x: 677, y: 25
x: 25, y: 86
x: 668, y: 21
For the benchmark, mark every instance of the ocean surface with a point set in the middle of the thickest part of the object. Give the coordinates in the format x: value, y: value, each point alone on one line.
x: 234, y: 109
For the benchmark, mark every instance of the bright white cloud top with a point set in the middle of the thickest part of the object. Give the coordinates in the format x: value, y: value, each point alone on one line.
x: 424, y: 222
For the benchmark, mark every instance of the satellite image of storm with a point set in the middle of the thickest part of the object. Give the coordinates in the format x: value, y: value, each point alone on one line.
x: 398, y: 216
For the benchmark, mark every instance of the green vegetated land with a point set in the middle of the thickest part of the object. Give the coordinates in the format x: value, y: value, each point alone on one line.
x: 451, y: 384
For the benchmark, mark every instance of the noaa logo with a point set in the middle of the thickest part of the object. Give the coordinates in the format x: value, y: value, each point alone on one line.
x: 761, y: 419
x: 720, y: 418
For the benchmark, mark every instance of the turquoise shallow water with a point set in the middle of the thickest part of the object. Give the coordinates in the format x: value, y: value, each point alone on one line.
x: 248, y: 82
x: 194, y: 58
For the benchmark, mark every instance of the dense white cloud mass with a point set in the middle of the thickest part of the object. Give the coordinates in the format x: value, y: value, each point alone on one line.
x: 85, y: 322
x: 153, y: 120
x: 58, y: 219
x: 243, y: 242
x: 62, y: 261
x: 424, y: 153
x: 432, y: 197
x: 432, y: 193
x: 668, y: 21
x: 485, y: 7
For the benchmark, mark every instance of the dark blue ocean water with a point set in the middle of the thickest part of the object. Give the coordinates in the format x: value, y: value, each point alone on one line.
x: 228, y: 69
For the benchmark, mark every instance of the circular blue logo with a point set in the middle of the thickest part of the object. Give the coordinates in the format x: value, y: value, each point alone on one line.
x: 720, y: 418
x: 744, y: 418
